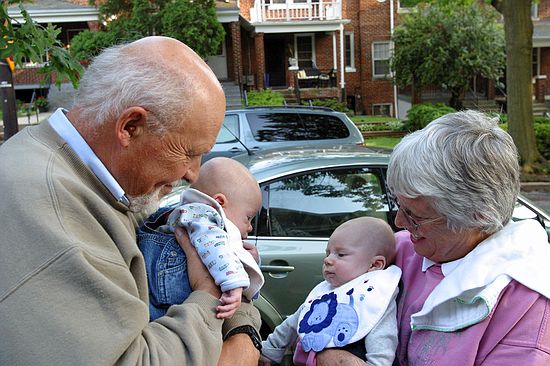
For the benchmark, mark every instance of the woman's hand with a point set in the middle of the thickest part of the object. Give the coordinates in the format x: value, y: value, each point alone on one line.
x: 251, y: 248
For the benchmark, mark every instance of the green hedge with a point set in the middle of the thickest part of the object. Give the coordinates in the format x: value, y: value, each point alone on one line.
x: 265, y: 97
x: 331, y: 103
x: 420, y: 115
x: 542, y: 135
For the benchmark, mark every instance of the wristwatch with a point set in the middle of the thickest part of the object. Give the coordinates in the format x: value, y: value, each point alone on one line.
x: 248, y: 330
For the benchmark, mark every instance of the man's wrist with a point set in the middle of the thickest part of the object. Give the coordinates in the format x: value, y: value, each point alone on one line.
x: 249, y: 331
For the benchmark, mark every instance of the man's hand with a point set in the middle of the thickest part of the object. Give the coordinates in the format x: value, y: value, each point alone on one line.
x: 199, y: 278
x: 251, y: 248
x: 231, y: 300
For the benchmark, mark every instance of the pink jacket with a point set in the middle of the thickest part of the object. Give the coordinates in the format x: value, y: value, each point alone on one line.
x: 517, y: 332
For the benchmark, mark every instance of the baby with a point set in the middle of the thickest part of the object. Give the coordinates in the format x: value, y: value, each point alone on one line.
x: 216, y: 211
x: 354, y: 308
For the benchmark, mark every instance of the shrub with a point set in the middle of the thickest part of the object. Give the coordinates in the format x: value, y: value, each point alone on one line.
x: 331, y: 103
x: 265, y: 97
x: 542, y: 137
x: 421, y: 114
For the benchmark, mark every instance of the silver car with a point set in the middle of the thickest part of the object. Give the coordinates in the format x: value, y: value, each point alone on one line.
x: 306, y: 193
x: 257, y: 128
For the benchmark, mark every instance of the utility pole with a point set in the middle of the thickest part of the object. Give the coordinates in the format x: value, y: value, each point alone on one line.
x: 7, y: 95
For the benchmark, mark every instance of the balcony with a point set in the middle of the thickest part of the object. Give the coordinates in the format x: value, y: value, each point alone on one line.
x: 295, y: 10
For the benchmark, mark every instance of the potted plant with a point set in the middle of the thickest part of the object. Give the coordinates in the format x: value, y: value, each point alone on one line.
x: 42, y: 104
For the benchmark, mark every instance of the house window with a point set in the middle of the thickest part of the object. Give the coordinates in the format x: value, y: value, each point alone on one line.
x: 381, y: 59
x: 349, y: 55
x: 536, y: 64
x: 305, y: 50
x: 381, y: 109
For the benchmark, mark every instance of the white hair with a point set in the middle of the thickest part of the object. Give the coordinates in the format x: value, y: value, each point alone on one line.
x: 465, y: 165
x: 116, y: 80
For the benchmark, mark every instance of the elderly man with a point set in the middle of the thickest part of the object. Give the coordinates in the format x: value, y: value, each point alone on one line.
x: 74, y: 287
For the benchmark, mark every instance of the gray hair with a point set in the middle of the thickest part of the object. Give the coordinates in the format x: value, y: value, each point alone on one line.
x: 116, y: 80
x: 465, y: 164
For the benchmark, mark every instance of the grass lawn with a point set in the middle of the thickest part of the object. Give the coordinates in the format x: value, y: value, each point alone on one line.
x: 389, y: 142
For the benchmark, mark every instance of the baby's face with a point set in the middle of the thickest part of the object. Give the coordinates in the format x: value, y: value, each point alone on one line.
x: 241, y: 212
x: 345, y: 260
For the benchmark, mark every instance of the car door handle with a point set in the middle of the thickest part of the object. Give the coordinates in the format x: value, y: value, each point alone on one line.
x: 235, y: 150
x: 277, y: 269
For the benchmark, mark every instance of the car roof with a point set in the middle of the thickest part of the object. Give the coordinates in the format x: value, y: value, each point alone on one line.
x: 282, y: 108
x: 272, y: 163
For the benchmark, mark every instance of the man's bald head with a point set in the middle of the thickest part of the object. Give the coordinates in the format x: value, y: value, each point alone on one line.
x: 161, y: 74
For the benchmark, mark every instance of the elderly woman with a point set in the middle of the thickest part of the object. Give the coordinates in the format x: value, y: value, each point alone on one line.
x: 475, y: 287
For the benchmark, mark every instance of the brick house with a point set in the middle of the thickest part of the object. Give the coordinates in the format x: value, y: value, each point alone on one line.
x: 346, y: 41
x: 286, y: 44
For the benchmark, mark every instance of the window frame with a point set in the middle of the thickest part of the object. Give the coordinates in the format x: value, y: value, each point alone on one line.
x: 375, y: 59
x: 304, y: 35
x: 349, y: 64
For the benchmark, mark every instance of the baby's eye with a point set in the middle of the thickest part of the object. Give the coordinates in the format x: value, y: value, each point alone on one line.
x: 341, y: 255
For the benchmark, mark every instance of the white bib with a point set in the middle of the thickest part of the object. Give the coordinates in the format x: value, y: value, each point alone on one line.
x: 334, y: 317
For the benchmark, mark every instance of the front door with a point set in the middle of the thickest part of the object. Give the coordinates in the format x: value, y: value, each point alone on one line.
x: 275, y: 63
x: 218, y: 63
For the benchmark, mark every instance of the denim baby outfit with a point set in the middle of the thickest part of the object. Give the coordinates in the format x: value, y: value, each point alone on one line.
x: 217, y: 240
x: 166, y: 265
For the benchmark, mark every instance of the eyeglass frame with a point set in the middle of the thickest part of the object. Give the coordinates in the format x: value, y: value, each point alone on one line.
x: 393, y: 199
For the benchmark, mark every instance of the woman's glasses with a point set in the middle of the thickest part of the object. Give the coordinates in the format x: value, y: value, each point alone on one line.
x: 406, y: 213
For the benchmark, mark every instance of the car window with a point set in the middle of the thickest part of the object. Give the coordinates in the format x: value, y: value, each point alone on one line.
x: 324, y: 127
x: 269, y: 126
x: 315, y: 203
x: 229, y: 130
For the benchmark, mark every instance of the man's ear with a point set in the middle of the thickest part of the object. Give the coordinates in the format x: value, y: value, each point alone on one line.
x: 378, y: 262
x: 220, y: 198
x: 130, y: 124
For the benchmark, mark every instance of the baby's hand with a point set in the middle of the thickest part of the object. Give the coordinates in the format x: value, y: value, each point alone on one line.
x: 231, y: 301
x: 264, y: 361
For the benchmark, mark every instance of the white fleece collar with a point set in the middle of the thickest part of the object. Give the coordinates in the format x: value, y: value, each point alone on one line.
x: 469, y: 292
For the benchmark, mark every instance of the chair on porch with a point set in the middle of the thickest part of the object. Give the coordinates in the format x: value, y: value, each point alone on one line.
x: 308, y: 75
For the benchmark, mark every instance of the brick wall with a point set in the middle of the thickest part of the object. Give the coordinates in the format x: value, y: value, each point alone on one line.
x: 374, y: 25
x: 544, y: 9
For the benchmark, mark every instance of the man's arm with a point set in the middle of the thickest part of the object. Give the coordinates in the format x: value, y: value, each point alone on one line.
x: 238, y: 349
x: 336, y: 357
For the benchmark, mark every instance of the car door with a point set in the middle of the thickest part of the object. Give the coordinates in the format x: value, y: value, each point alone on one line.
x: 298, y: 215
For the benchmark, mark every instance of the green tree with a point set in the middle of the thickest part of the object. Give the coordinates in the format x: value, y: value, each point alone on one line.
x: 518, y: 27
x: 447, y: 44
x: 29, y: 40
x: 193, y: 22
x: 32, y: 41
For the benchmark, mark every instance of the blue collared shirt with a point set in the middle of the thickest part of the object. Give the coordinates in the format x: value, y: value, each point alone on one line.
x: 66, y: 130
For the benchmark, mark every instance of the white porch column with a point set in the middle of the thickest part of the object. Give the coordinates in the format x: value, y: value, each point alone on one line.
x: 342, y: 67
x: 334, y: 57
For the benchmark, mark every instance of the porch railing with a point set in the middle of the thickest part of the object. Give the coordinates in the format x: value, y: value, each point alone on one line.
x: 269, y: 10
